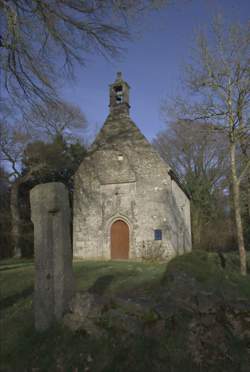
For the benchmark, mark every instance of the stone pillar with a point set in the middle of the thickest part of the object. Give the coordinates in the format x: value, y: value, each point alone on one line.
x: 54, y: 283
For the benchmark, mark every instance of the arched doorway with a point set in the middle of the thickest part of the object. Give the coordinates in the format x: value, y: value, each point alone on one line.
x: 119, y: 240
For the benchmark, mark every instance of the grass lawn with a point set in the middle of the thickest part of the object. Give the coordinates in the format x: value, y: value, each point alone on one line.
x: 23, y: 349
x: 16, y: 283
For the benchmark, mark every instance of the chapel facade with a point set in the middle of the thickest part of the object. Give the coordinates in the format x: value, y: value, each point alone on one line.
x: 128, y: 203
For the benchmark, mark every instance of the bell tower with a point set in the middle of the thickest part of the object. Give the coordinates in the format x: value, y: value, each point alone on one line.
x: 119, y: 96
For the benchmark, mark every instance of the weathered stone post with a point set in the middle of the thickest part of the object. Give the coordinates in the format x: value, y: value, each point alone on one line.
x: 54, y: 283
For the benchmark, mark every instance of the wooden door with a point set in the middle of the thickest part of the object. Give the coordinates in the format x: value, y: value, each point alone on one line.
x: 119, y: 240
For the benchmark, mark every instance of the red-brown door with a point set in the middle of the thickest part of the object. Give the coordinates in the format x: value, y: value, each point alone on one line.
x: 119, y: 240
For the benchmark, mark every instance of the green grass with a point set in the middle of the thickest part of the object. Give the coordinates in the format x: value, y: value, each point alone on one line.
x: 16, y: 282
x: 207, y: 270
x: 114, y: 277
x: 23, y: 349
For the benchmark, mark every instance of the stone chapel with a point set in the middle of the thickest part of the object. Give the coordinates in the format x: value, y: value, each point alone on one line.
x: 128, y: 203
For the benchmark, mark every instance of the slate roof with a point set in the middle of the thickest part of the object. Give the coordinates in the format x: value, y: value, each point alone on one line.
x: 118, y: 130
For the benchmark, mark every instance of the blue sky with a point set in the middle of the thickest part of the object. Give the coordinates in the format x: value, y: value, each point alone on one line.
x: 152, y: 63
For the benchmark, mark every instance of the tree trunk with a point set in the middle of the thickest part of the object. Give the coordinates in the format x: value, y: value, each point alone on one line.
x: 248, y: 196
x: 196, y: 227
x: 15, y: 219
x: 237, y: 211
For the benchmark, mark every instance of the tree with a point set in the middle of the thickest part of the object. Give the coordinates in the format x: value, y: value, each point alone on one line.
x: 12, y: 144
x: 42, y: 40
x: 30, y: 163
x: 58, y: 159
x: 198, y: 155
x: 218, y: 81
x: 50, y: 120
x: 5, y: 218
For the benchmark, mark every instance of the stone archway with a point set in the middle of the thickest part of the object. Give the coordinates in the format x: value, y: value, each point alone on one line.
x: 119, y: 240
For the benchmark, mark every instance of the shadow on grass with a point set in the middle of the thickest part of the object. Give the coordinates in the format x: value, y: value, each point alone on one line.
x: 101, y: 284
x: 11, y: 300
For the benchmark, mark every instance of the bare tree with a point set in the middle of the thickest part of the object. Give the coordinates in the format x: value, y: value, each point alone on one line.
x: 51, y: 119
x: 218, y: 81
x: 47, y: 121
x: 41, y: 40
x: 13, y: 141
x: 198, y: 155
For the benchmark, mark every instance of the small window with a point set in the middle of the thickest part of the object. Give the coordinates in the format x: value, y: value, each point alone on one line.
x: 118, y: 88
x: 120, y: 157
x: 119, y: 98
x: 158, y: 235
x: 119, y: 94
